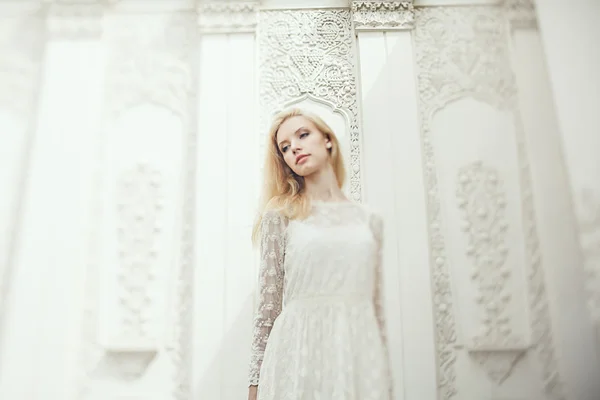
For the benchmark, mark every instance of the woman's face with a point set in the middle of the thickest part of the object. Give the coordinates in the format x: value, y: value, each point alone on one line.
x: 305, y: 149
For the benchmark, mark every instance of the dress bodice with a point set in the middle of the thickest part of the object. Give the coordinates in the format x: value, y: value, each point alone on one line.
x: 329, y: 254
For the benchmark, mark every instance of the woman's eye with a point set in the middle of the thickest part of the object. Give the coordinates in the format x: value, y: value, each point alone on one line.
x: 303, y: 135
x: 284, y: 149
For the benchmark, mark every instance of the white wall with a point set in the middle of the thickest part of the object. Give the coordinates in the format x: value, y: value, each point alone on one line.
x: 131, y: 164
x: 567, y: 32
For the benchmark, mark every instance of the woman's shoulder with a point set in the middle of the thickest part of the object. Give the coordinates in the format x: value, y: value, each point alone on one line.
x: 374, y: 217
x: 370, y: 211
x: 274, y: 216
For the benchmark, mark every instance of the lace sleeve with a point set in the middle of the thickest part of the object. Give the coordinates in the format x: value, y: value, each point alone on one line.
x: 270, y: 288
x: 378, y: 294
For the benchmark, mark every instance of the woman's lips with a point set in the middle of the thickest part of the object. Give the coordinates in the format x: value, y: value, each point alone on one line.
x: 300, y: 159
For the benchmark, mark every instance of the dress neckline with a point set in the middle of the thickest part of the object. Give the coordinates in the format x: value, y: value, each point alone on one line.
x: 333, y: 203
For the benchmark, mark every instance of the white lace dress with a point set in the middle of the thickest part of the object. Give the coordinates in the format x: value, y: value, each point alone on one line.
x: 319, y: 326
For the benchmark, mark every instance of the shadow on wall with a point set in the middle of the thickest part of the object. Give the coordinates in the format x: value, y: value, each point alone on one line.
x: 225, y: 376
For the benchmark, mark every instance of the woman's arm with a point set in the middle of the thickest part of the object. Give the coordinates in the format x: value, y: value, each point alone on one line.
x: 270, y: 291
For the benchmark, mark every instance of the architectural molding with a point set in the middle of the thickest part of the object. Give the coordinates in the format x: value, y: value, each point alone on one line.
x: 520, y: 13
x: 453, y: 3
x: 382, y: 15
x: 236, y: 17
x: 74, y: 19
x: 479, y: 34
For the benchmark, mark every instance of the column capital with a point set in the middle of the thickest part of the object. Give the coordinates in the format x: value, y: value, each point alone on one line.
x: 382, y: 15
x: 231, y: 17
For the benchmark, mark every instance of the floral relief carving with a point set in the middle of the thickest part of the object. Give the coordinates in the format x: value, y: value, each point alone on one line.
x: 482, y: 202
x: 139, y: 204
x: 219, y: 17
x: 310, y: 52
x: 462, y: 52
x: 382, y: 15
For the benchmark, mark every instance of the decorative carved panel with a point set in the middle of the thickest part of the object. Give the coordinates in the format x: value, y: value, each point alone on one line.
x: 482, y: 201
x: 152, y: 62
x: 383, y: 15
x: 311, y: 52
x: 234, y: 17
x: 462, y: 52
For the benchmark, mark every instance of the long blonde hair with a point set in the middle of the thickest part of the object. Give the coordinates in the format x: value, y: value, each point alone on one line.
x: 283, y: 190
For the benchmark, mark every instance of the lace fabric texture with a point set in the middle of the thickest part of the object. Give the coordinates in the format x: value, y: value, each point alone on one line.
x: 319, y: 328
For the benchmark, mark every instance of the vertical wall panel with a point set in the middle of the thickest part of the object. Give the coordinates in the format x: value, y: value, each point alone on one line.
x: 228, y: 168
x: 211, y: 222
x: 567, y: 35
x: 45, y: 309
x: 574, y: 329
x: 394, y: 186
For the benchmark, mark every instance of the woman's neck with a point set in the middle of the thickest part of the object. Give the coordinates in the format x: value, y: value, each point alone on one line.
x: 323, y: 186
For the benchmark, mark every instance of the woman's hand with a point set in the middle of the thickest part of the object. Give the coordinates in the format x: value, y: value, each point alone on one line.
x: 252, y: 392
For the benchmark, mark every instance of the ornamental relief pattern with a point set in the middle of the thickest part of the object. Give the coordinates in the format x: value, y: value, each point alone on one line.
x: 310, y: 52
x: 139, y: 207
x: 152, y: 61
x: 373, y: 15
x: 216, y: 17
x: 482, y: 202
x: 463, y: 52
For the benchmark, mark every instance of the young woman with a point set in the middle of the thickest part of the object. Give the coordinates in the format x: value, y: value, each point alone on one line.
x: 319, y: 329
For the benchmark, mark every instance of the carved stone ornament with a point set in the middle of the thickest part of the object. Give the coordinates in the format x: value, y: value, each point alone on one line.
x: 310, y: 52
x: 482, y: 201
x: 152, y: 60
x: 521, y: 13
x: 462, y: 52
x: 224, y: 17
x: 75, y: 19
x: 139, y: 208
x: 383, y: 15
x: 127, y: 362
x: 498, y: 363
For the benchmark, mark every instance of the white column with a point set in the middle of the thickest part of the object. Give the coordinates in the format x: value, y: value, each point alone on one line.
x: 21, y: 49
x: 393, y: 184
x: 572, y: 330
x: 227, y: 186
x: 44, y: 314
x: 569, y: 32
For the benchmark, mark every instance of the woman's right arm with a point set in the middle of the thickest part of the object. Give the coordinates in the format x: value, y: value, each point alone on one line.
x: 270, y: 291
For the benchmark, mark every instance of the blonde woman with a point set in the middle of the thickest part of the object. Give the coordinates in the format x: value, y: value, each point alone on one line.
x: 319, y: 324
